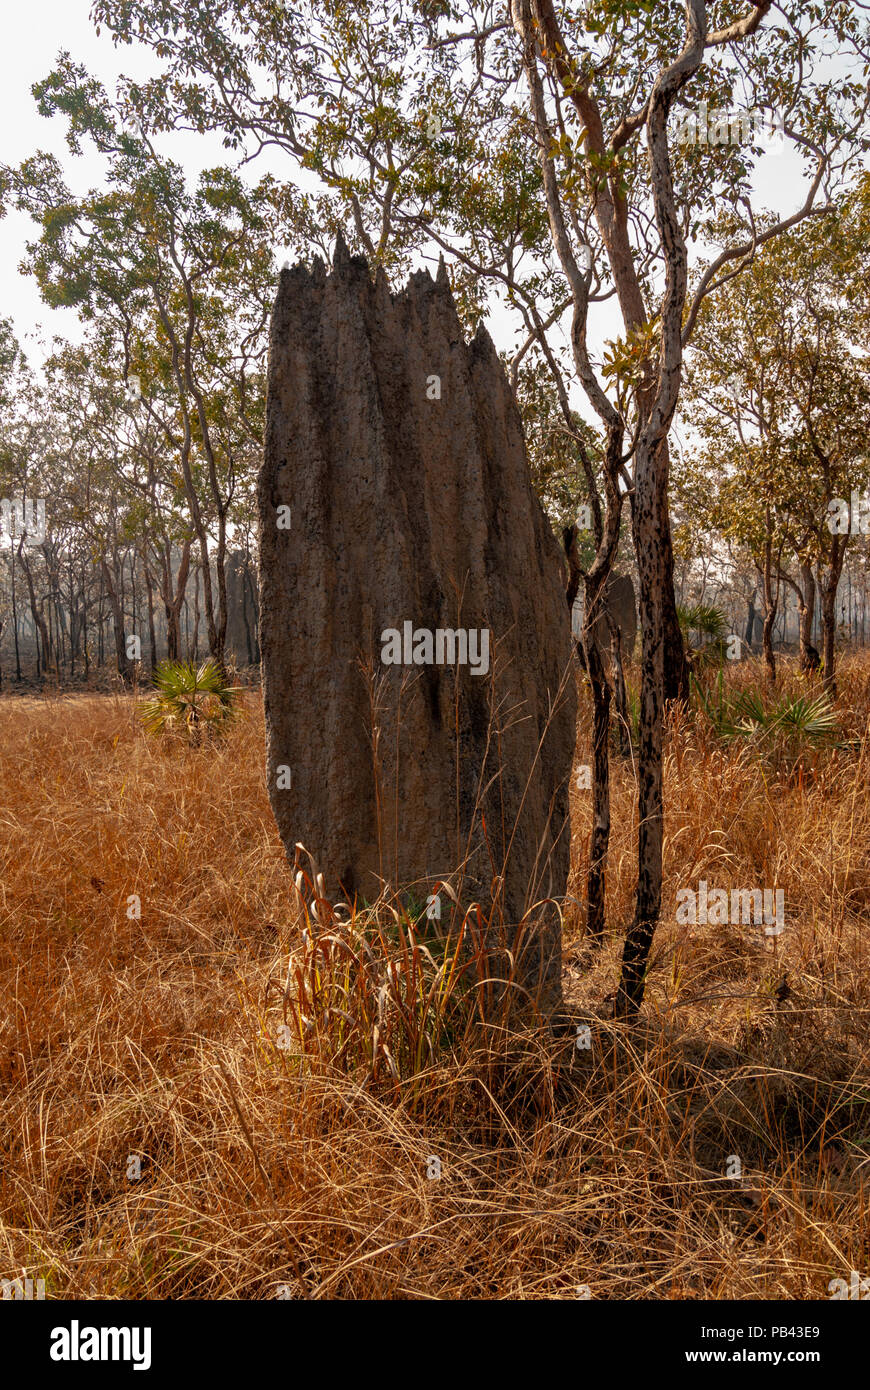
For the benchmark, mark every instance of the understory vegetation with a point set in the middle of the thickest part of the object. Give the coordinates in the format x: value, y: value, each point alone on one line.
x: 287, y: 1075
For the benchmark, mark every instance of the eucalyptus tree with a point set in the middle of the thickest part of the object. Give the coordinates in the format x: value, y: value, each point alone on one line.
x: 536, y: 147
x: 12, y: 363
x: 27, y: 533
x: 180, y: 281
x: 786, y: 434
x: 99, y: 486
x: 735, y: 471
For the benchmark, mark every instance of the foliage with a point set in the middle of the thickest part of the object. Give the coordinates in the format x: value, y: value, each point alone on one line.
x: 553, y: 450
x: 711, y: 624
x: 189, y: 696
x: 785, y: 724
x: 703, y: 618
x: 780, y: 392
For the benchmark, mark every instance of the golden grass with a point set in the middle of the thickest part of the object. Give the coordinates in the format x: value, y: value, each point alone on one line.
x: 265, y: 1172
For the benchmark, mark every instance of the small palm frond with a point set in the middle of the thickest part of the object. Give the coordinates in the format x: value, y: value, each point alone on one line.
x: 702, y: 618
x: 188, y: 695
x: 749, y: 714
x: 787, y: 722
x: 812, y: 719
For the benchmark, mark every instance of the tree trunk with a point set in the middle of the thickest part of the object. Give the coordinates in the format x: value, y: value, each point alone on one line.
x: 620, y: 698
x: 117, y: 623
x: 594, y: 588
x: 806, y: 597
x: 152, y: 635
x: 829, y: 623
x: 15, y: 620
x: 85, y: 652
x: 749, y: 630
x: 676, y: 667
x: 652, y: 551
x: 193, y: 650
x: 771, y: 604
x: 250, y: 627
x: 828, y: 586
x: 173, y: 595
x: 38, y: 616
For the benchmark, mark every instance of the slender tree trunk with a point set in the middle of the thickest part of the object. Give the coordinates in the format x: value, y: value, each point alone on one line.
x: 60, y: 626
x: 651, y: 552
x: 828, y: 586
x: 829, y: 624
x: 100, y: 639
x: 152, y: 635
x: 248, y: 644
x: 251, y: 637
x: 676, y: 667
x: 73, y: 620
x: 133, y: 596
x: 193, y: 649
x: 219, y: 647
x: 620, y: 698
x: 749, y: 630
x: 50, y: 626
x: 174, y: 596
x: 117, y: 623
x: 15, y: 621
x: 39, y: 622
x: 806, y: 597
x: 594, y: 590
x: 85, y: 652
x: 771, y: 604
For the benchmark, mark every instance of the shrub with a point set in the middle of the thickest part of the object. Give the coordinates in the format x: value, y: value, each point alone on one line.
x: 189, y: 696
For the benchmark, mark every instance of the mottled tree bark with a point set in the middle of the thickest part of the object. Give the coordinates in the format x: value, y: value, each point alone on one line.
x: 806, y: 597
x: 117, y: 622
x: 771, y: 604
x: 651, y: 552
x: 829, y: 583
x: 651, y: 523
x: 620, y: 699
x: 676, y: 667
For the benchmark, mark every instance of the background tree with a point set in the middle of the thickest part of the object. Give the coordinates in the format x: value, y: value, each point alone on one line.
x: 786, y: 434
x: 180, y: 285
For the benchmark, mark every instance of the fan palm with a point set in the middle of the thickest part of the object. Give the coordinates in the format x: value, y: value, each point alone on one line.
x: 789, y: 721
x: 711, y: 626
x: 190, y: 696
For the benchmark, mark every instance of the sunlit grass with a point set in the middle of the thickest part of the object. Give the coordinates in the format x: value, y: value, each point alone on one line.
x: 277, y: 1157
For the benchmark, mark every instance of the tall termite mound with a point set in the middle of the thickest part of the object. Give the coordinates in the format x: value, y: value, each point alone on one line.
x: 416, y: 643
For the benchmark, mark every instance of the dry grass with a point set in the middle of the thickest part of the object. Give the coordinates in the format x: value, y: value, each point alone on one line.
x: 268, y: 1171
